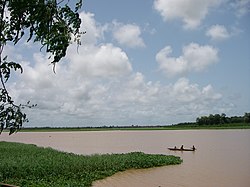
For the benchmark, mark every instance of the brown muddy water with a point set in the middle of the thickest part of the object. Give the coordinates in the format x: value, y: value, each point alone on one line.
x: 222, y: 158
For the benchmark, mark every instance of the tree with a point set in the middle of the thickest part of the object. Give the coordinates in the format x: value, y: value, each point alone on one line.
x: 217, y: 119
x: 223, y: 118
x: 52, y: 23
x: 247, y: 118
x: 203, y: 120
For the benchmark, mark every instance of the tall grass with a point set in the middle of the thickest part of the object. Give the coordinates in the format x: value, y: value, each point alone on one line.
x: 29, y: 165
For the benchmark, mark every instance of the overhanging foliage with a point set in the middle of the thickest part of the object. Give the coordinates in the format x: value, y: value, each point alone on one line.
x: 54, y: 24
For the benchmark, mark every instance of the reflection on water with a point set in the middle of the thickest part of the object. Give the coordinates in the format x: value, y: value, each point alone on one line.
x: 222, y: 158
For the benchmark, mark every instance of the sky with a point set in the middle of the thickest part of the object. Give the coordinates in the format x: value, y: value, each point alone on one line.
x: 154, y: 62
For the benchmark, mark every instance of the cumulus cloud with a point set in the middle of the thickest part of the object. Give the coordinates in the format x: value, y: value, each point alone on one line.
x: 186, y: 92
x: 104, y: 60
x: 218, y: 33
x: 97, y: 86
x: 191, y: 12
x: 128, y: 35
x: 70, y: 97
x: 94, y: 30
x: 194, y: 58
x: 67, y: 99
x: 77, y: 87
x: 97, y: 60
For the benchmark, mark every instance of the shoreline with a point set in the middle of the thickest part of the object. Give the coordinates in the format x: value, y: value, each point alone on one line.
x: 138, y: 128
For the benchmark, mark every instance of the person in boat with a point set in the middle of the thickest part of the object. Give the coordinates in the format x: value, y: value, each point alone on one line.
x: 194, y: 148
x: 182, y: 147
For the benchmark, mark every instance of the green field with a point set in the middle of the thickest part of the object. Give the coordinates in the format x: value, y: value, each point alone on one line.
x: 29, y: 165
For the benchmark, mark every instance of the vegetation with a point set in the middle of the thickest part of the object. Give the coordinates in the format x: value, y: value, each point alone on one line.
x: 29, y: 165
x: 218, y: 119
x: 52, y: 23
x: 180, y: 126
x: 205, y: 122
x: 187, y: 126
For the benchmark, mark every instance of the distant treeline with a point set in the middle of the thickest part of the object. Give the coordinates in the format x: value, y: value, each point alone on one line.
x: 217, y: 119
x: 212, y: 120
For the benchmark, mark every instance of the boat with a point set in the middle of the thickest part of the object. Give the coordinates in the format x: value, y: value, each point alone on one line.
x: 6, y: 185
x: 179, y: 149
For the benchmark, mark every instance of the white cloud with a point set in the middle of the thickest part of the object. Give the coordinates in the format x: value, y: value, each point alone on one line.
x: 186, y: 92
x: 194, y: 58
x: 70, y: 100
x: 209, y: 93
x: 128, y: 35
x: 170, y: 65
x: 94, y: 30
x: 218, y: 33
x: 75, y: 85
x: 97, y: 60
x: 191, y: 12
x: 104, y: 61
x: 97, y: 86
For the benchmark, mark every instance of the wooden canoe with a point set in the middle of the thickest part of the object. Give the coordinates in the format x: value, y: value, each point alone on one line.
x: 178, y: 149
x: 6, y: 185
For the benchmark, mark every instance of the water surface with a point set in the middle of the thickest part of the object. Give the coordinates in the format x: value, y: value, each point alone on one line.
x: 222, y: 158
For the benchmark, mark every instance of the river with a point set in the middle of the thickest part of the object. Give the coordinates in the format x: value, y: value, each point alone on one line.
x: 222, y: 158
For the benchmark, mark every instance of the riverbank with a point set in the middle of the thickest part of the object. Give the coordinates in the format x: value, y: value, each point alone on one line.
x: 183, y: 126
x: 29, y: 165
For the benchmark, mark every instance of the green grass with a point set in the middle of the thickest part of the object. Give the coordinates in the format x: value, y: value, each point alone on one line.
x: 29, y: 165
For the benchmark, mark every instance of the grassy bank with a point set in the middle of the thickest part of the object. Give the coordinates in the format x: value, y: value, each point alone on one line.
x: 29, y: 165
x: 184, y: 126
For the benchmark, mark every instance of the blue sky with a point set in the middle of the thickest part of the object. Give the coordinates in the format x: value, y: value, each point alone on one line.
x: 142, y: 62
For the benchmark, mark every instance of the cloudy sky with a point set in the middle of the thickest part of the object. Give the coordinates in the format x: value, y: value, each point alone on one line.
x: 142, y: 63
